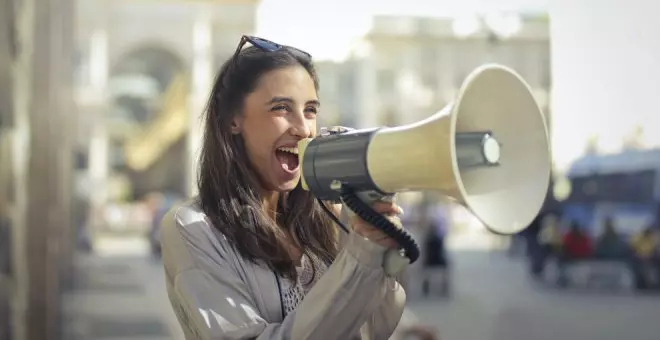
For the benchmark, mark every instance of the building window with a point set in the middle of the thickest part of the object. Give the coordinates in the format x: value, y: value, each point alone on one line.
x: 466, y: 57
x: 386, y: 81
x: 429, y: 62
x: 546, y: 72
x: 389, y: 118
x: 430, y: 79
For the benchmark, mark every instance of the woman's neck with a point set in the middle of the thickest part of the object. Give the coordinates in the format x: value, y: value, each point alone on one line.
x: 270, y: 201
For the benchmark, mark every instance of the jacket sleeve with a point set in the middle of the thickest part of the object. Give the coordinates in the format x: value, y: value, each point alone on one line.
x: 212, y: 301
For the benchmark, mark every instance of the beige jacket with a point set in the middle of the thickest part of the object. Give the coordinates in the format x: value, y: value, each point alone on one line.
x: 219, y: 295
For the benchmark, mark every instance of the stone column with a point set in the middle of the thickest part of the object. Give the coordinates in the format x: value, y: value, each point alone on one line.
x: 99, y: 162
x: 20, y: 153
x: 42, y: 165
x: 65, y: 136
x: 201, y: 84
x: 605, y: 73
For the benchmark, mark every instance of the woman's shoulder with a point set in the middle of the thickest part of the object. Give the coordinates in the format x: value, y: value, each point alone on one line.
x: 185, y: 218
x: 189, y: 240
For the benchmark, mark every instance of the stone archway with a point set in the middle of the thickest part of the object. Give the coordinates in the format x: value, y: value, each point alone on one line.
x: 140, y: 78
x: 138, y: 86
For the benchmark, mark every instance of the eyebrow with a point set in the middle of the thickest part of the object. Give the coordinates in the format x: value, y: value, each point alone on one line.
x: 290, y: 100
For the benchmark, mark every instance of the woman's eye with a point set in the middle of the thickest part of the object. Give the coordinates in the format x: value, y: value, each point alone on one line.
x: 312, y: 110
x: 281, y: 108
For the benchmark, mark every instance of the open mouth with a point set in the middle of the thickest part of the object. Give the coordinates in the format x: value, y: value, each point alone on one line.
x: 288, y: 158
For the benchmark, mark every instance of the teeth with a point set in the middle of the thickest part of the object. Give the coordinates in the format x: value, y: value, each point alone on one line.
x: 289, y: 150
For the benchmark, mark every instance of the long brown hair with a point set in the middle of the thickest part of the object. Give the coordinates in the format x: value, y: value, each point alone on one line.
x: 229, y: 189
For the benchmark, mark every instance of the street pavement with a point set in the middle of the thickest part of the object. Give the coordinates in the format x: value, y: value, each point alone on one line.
x: 120, y: 295
x: 494, y: 299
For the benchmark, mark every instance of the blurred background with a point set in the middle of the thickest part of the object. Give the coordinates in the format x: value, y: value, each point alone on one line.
x: 100, y: 105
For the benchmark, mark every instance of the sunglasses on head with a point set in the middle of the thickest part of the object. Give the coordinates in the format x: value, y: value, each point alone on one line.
x: 266, y: 45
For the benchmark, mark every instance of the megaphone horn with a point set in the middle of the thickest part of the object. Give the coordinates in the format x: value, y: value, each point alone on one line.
x: 488, y: 150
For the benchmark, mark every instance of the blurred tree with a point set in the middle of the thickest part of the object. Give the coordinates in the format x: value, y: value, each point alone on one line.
x: 634, y: 140
x: 592, y: 145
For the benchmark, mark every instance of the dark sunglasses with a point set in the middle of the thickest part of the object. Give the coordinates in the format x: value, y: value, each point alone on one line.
x: 267, y: 45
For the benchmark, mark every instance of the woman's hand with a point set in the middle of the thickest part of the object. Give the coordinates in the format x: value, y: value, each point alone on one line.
x: 362, y: 228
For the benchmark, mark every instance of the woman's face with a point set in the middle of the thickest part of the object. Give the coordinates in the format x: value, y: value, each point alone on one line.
x: 276, y: 115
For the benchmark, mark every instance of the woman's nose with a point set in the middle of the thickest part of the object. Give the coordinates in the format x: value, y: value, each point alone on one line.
x: 302, y: 131
x: 300, y: 127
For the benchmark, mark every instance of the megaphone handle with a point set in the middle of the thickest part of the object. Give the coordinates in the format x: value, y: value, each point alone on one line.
x: 356, y: 203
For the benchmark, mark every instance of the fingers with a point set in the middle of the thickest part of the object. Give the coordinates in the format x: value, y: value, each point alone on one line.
x: 387, y: 208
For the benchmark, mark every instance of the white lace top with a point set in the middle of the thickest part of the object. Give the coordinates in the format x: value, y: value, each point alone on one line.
x: 310, y: 270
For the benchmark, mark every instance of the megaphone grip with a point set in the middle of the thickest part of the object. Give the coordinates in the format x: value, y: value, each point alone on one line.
x: 369, y: 215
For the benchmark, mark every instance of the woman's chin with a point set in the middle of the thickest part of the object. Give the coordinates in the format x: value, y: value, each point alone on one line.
x: 288, y: 185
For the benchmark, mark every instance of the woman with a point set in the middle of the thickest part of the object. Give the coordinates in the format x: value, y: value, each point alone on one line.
x: 241, y: 257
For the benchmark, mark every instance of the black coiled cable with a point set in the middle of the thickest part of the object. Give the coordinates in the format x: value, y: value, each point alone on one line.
x: 369, y: 215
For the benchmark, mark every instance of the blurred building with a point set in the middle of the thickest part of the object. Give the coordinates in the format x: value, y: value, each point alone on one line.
x: 115, y: 123
x: 407, y: 68
x: 337, y: 91
x: 143, y: 74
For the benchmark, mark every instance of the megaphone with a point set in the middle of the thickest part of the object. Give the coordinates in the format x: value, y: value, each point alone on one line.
x: 488, y: 151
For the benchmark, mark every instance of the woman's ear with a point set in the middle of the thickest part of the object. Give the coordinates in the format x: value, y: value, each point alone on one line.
x: 236, y: 124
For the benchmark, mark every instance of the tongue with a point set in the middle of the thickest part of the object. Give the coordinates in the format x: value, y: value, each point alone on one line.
x: 287, y: 160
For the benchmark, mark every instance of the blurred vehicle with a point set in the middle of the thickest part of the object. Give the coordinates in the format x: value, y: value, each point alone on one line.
x: 621, y: 188
x: 624, y: 187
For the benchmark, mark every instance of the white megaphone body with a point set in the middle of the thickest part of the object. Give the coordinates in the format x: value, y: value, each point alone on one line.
x: 488, y: 151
